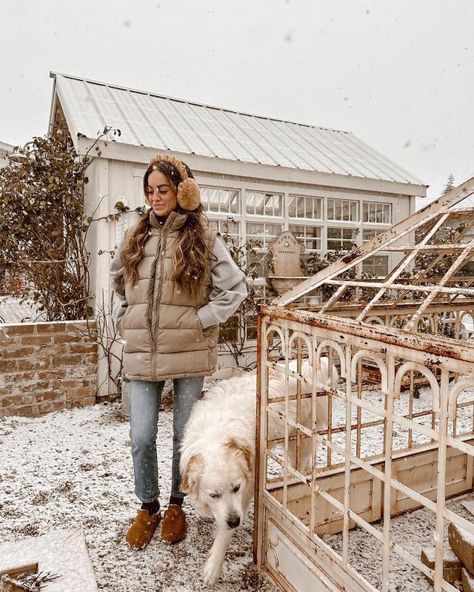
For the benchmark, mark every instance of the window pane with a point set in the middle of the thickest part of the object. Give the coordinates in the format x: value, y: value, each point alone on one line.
x: 264, y: 232
x: 234, y: 202
x: 376, y: 265
x: 354, y: 216
x: 292, y: 206
x: 300, y: 207
x: 270, y: 201
x: 259, y: 202
x: 268, y: 204
x: 345, y: 211
x: 317, y: 207
x: 278, y: 205
x: 377, y: 212
x: 330, y: 209
x: 250, y: 200
x: 341, y: 238
x: 230, y: 227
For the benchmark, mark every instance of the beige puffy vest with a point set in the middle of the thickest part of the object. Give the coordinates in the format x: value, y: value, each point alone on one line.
x: 157, y: 307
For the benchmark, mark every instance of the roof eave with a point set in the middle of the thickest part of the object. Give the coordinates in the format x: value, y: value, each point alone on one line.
x: 205, y: 164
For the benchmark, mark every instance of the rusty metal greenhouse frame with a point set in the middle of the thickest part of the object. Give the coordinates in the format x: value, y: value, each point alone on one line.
x: 398, y: 427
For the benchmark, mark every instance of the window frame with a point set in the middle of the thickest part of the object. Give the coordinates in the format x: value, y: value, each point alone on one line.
x: 367, y: 206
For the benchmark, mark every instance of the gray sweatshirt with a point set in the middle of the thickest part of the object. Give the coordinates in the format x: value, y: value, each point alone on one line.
x: 229, y: 287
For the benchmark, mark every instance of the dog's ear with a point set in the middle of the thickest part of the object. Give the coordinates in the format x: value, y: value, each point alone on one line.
x: 242, y: 450
x: 190, y: 478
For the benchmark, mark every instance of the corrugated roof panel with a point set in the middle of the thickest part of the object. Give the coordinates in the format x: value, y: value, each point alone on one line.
x: 246, y: 145
x: 273, y: 139
x: 199, y: 118
x: 344, y: 156
x: 164, y: 123
x: 298, y: 148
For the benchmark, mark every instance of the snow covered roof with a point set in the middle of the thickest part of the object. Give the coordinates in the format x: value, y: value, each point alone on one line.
x: 156, y: 121
x: 5, y: 148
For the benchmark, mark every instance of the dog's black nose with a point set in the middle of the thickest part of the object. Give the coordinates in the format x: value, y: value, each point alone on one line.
x: 233, y: 521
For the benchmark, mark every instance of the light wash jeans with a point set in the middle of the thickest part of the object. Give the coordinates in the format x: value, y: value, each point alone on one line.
x: 145, y: 398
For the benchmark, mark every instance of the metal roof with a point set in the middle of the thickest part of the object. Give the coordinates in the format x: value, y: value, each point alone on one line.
x: 4, y: 147
x: 156, y: 121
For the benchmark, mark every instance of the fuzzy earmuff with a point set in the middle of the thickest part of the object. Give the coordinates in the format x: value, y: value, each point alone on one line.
x: 189, y: 193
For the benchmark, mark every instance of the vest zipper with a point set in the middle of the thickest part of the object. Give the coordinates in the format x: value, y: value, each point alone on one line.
x: 157, y: 299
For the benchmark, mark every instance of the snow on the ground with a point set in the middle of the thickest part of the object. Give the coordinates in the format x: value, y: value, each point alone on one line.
x: 412, y: 531
x: 13, y: 310
x: 73, y: 469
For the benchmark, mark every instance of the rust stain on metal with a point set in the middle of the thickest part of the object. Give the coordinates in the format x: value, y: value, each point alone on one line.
x: 392, y: 336
x: 351, y: 256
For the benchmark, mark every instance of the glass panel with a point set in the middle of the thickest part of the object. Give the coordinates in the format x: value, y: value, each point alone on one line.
x: 230, y: 227
x: 234, y: 202
x: 300, y: 207
x: 224, y: 200
x: 259, y: 203
x: 315, y: 242
x: 269, y: 201
x: 278, y: 205
x: 317, y: 208
x: 337, y: 209
x: 255, y: 228
x: 268, y: 204
x: 377, y: 212
x: 345, y: 211
x: 292, y: 206
x: 216, y: 199
x: 309, y: 207
x: 250, y: 203
x: 354, y: 216
x: 330, y: 209
x: 376, y: 265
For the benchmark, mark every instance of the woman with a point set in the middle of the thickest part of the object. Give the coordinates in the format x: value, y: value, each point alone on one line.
x: 174, y: 282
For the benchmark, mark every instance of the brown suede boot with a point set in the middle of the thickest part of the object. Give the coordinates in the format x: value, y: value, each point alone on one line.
x: 142, y: 529
x: 173, y: 528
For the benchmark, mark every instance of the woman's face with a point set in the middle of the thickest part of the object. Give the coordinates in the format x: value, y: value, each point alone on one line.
x: 161, y: 194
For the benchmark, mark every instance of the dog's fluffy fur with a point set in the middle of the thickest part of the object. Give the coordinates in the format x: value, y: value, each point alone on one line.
x: 218, y: 450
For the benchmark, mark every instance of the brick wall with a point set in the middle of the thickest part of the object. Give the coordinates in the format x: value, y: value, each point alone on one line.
x: 45, y: 367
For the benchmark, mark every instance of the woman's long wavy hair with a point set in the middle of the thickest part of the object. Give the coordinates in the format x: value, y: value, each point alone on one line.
x: 191, y: 258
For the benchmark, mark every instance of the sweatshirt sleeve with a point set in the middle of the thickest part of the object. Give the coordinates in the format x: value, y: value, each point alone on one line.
x: 120, y: 301
x: 229, y: 288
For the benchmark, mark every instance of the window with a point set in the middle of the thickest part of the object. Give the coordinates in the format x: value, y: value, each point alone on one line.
x: 302, y: 206
x: 259, y: 262
x: 343, y: 210
x: 377, y: 265
x: 264, y: 204
x: 229, y: 226
x: 376, y: 213
x: 369, y: 234
x: 215, y: 199
x: 310, y: 236
x: 341, y: 238
x: 263, y: 231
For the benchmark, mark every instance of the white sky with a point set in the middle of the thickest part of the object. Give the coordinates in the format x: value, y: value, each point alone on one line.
x: 397, y: 73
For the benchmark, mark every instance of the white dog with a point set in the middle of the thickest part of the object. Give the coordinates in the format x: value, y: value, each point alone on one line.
x: 218, y: 450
